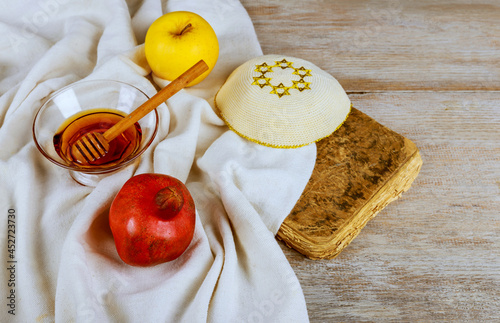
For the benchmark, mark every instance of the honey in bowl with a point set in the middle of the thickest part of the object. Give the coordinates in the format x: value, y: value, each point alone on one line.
x: 97, y: 120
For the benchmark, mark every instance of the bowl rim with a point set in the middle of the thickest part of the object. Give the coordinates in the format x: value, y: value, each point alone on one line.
x: 93, y: 170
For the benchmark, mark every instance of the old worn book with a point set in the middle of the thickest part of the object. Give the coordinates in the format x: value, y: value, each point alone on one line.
x: 359, y: 170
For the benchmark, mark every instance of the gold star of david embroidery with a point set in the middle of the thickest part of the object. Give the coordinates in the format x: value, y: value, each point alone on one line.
x: 302, y: 72
x: 261, y: 81
x: 280, y: 89
x: 286, y: 63
x: 301, y: 85
x: 263, y: 68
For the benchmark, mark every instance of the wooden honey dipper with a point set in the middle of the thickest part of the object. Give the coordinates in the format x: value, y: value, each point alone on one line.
x: 95, y: 145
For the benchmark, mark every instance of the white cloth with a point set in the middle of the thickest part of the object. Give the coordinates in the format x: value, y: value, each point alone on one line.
x: 67, y: 267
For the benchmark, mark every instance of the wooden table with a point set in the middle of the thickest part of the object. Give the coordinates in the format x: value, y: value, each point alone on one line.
x: 429, y: 70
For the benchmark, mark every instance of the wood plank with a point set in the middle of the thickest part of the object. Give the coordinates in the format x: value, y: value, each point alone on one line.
x: 432, y: 255
x: 388, y: 45
x: 359, y: 169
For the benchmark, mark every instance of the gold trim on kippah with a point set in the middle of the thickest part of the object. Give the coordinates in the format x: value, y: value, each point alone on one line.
x: 219, y: 113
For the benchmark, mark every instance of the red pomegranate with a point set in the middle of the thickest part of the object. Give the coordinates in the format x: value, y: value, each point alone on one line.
x: 152, y: 219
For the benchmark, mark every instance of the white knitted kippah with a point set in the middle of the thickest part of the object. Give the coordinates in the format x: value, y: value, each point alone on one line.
x: 282, y: 102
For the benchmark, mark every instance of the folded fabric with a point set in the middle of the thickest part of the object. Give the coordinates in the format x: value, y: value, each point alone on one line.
x: 66, y: 265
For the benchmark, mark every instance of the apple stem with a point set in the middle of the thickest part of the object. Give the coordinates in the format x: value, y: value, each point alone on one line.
x: 170, y: 200
x: 185, y: 29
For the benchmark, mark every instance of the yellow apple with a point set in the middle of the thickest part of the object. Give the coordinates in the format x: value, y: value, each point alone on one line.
x: 178, y: 40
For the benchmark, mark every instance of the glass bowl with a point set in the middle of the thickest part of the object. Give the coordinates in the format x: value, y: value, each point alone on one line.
x: 88, y: 96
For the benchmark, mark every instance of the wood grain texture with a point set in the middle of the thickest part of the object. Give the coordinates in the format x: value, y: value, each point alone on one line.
x: 433, y: 255
x: 359, y: 169
x: 375, y: 45
x: 428, y: 70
